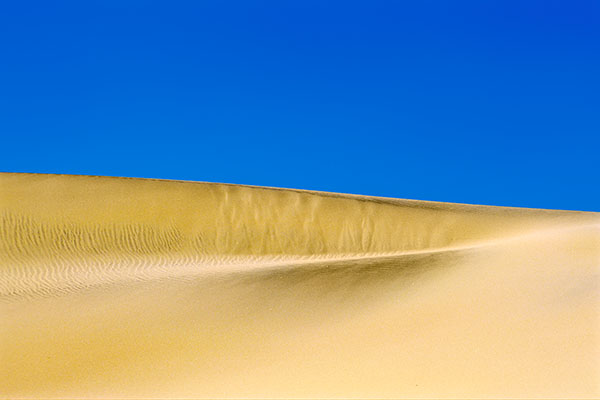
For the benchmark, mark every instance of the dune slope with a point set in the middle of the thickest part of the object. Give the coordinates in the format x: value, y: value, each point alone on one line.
x: 137, y: 288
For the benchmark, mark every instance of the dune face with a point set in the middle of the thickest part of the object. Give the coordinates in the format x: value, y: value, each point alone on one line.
x: 138, y: 288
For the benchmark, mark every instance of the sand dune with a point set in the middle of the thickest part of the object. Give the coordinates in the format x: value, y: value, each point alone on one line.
x: 137, y: 288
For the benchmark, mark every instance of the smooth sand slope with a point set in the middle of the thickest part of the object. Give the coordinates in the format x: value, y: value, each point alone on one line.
x: 135, y: 288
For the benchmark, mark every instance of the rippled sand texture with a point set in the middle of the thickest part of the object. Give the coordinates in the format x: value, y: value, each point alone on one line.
x: 129, y: 288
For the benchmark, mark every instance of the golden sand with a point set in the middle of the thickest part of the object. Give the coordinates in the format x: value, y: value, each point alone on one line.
x: 138, y: 288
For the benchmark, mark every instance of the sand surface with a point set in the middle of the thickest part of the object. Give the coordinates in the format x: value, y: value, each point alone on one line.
x: 137, y: 288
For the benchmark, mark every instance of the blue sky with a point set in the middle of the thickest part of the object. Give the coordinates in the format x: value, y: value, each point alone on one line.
x: 486, y: 102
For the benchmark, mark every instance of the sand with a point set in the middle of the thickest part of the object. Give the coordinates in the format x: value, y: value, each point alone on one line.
x: 139, y: 288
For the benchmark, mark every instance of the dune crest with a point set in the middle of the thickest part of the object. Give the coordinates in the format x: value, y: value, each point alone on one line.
x: 129, y: 288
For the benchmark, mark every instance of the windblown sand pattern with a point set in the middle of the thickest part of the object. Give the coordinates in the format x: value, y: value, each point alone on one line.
x: 137, y: 288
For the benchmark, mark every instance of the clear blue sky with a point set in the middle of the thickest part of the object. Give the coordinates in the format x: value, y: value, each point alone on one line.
x: 489, y: 102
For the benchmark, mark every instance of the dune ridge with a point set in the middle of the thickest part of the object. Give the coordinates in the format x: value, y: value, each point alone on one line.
x: 307, y: 269
x: 211, y: 224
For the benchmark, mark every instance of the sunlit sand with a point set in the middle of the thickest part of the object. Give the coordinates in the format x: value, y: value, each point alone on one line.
x: 138, y: 288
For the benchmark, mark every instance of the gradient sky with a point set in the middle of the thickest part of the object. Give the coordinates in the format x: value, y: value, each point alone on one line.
x: 486, y: 102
